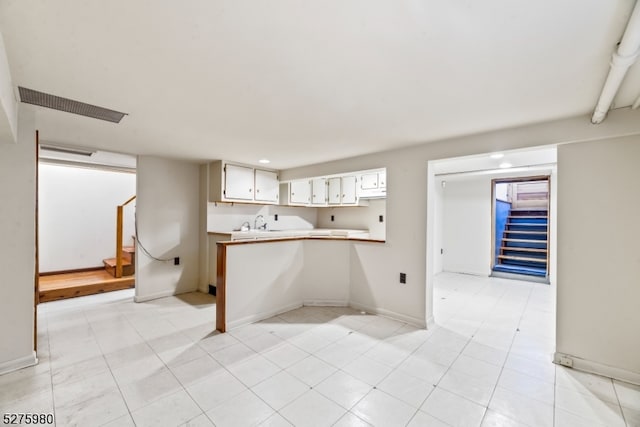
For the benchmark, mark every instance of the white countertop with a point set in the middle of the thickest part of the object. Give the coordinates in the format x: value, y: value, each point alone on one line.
x: 316, y: 232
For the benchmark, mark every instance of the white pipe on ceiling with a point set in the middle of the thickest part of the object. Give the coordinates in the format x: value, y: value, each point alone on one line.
x: 625, y: 57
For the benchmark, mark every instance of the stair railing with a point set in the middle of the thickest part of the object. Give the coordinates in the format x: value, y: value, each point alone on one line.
x: 119, y: 231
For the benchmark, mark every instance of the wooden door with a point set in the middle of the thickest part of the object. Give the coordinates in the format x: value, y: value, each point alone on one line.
x: 36, y: 279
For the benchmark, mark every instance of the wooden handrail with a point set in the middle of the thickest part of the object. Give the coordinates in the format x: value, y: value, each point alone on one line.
x: 119, y: 226
x: 129, y: 201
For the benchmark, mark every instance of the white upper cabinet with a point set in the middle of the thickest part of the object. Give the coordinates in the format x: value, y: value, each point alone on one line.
x: 238, y: 182
x: 267, y: 186
x: 346, y: 189
x: 300, y: 192
x: 319, y: 191
x: 373, y: 184
x: 335, y: 191
x: 369, y: 181
x: 349, y: 193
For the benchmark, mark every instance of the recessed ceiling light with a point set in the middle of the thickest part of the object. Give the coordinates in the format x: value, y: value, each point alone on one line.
x: 264, y: 161
x: 505, y: 165
x: 497, y: 156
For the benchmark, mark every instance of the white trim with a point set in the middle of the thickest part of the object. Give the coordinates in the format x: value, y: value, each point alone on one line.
x: 599, y: 368
x: 391, y: 314
x: 325, y: 303
x: 261, y: 316
x: 157, y: 295
x: 431, y: 322
x: 15, y: 364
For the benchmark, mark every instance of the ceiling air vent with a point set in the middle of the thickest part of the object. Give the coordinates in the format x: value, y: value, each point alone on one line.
x: 30, y: 96
x: 67, y: 150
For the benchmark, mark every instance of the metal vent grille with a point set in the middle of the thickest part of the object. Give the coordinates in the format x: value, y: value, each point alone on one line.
x: 30, y: 96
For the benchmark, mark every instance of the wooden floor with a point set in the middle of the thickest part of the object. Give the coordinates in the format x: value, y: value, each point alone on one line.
x: 68, y: 285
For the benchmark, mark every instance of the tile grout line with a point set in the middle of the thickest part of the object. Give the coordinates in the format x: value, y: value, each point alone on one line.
x: 53, y: 397
x: 615, y: 390
x: 102, y: 355
x: 508, y: 353
x: 555, y: 387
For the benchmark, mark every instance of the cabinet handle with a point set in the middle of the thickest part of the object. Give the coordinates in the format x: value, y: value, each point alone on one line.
x: 250, y: 190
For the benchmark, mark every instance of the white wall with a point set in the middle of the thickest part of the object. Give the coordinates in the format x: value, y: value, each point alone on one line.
x: 78, y: 215
x: 203, y: 238
x: 438, y: 226
x: 266, y: 278
x: 502, y: 191
x: 168, y: 214
x: 598, y: 258
x: 224, y: 217
x: 8, y: 104
x: 271, y: 284
x: 325, y: 277
x: 406, y: 247
x: 467, y: 226
x: 357, y: 217
x: 17, y: 251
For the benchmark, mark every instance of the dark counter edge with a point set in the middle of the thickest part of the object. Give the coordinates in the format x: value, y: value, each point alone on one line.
x: 286, y: 239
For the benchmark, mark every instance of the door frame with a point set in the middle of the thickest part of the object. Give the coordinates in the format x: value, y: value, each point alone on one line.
x: 36, y: 279
x: 493, y: 213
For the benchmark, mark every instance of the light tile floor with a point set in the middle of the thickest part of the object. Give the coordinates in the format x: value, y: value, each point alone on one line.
x: 105, y: 360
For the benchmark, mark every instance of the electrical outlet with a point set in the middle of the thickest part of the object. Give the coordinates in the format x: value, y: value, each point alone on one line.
x: 212, y: 289
x: 332, y: 218
x: 441, y: 251
x: 381, y: 218
x: 403, y: 277
x: 275, y: 217
x: 176, y: 261
x: 566, y: 361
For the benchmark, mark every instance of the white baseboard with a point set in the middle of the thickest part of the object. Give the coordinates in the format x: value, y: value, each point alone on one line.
x: 15, y: 364
x: 431, y: 322
x: 150, y: 297
x: 325, y: 303
x: 391, y: 314
x: 261, y: 316
x: 599, y: 368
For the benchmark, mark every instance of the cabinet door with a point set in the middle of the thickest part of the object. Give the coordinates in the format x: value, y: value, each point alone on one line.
x: 267, y: 186
x: 382, y: 179
x: 300, y: 192
x: 369, y: 181
x: 319, y: 191
x: 348, y: 190
x: 238, y: 182
x: 335, y: 192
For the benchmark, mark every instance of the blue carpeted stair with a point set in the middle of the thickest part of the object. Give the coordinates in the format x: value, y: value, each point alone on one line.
x: 523, y: 249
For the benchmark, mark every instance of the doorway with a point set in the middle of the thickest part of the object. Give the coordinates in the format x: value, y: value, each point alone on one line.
x: 520, y: 224
x: 84, y: 222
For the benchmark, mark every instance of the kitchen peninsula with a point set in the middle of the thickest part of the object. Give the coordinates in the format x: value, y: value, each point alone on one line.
x: 264, y: 276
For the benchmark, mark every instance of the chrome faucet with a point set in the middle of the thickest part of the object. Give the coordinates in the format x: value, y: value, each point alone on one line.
x: 263, y: 226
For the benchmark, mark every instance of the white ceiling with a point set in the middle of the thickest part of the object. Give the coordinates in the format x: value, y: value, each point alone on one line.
x: 526, y: 158
x: 300, y: 81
